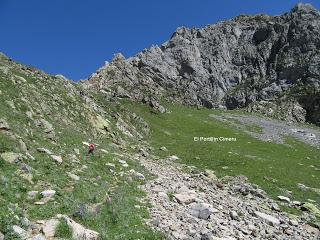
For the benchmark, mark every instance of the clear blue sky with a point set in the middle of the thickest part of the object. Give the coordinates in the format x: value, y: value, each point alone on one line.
x: 75, y: 37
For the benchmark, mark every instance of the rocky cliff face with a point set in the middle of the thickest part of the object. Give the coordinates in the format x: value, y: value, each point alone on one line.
x: 262, y: 63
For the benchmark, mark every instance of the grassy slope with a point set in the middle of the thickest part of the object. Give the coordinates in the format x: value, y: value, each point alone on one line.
x: 259, y: 161
x: 118, y: 218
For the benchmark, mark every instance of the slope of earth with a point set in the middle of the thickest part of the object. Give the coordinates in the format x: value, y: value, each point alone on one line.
x: 48, y: 185
x: 262, y: 63
x: 291, y: 169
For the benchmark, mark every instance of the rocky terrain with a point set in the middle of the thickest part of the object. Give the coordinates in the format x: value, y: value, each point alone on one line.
x: 271, y: 130
x: 50, y: 188
x: 262, y: 63
x: 190, y: 204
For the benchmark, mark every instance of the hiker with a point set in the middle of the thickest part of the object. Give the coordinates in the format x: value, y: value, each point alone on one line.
x: 91, y: 149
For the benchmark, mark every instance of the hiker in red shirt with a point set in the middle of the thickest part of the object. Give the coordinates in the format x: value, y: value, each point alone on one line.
x: 91, y: 149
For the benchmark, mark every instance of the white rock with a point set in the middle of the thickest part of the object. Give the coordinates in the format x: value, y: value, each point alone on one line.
x: 122, y: 162
x: 185, y: 198
x: 173, y: 158
x: 284, y: 199
x: 48, y: 193
x: 163, y: 195
x: 110, y: 165
x: 79, y: 231
x: 74, y: 177
x: 19, y: 231
x: 56, y: 158
x: 39, y: 237
x: 49, y: 228
x: 268, y: 218
x: 44, y: 150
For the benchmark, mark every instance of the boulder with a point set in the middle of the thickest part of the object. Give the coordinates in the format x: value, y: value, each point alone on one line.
x: 311, y: 208
x: 200, y: 210
x: 49, y: 228
x: 185, y: 197
x: 79, y: 232
x: 19, y: 232
x: 268, y: 218
x: 10, y: 157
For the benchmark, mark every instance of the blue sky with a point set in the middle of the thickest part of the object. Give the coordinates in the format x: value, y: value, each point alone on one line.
x: 74, y: 38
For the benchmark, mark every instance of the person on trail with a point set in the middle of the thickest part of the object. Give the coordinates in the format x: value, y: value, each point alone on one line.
x: 91, y: 149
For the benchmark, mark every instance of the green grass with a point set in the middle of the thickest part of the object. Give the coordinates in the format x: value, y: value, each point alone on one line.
x: 49, y: 100
x: 258, y: 160
x: 63, y: 231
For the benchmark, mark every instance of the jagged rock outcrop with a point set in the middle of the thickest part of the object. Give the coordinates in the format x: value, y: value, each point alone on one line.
x: 233, y: 64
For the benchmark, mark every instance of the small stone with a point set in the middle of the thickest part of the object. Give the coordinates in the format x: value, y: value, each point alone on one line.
x: 73, y: 176
x: 56, y: 158
x: 293, y: 222
x: 140, y: 176
x: 44, y: 150
x: 311, y: 208
x: 39, y: 237
x: 297, y: 203
x: 122, y: 162
x: 20, y: 232
x: 200, y: 210
x: 163, y: 148
x: 211, y: 174
x: 284, y: 199
x: 268, y: 218
x: 184, y: 198
x: 173, y: 158
x: 252, y: 228
x: 25, y: 222
x: 32, y: 194
x: 234, y: 215
x: 48, y: 193
x: 110, y: 165
x: 163, y: 195
x: 1, y: 236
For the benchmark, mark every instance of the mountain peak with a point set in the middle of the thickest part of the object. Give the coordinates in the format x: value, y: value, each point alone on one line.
x: 304, y: 7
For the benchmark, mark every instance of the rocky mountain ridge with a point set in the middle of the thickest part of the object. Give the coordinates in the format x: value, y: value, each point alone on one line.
x: 261, y: 63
